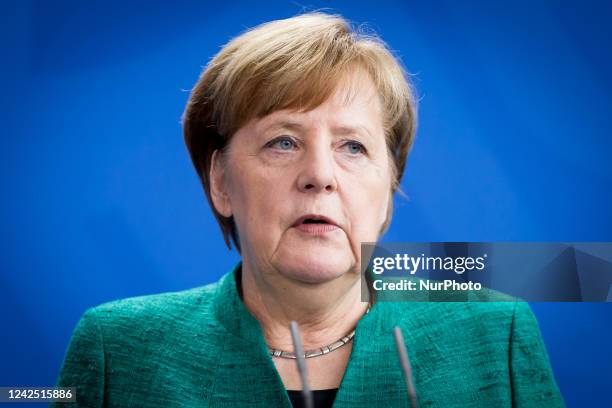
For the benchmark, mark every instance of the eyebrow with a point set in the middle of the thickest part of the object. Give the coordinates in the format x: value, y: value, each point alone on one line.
x: 347, y: 129
x: 284, y: 124
x: 341, y: 129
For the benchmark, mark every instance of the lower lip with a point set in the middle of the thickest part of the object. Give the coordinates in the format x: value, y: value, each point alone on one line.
x: 317, y: 229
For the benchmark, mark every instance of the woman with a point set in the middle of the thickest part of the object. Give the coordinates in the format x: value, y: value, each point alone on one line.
x: 299, y: 130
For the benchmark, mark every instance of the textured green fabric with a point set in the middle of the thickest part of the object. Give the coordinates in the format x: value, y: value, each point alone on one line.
x: 202, y: 347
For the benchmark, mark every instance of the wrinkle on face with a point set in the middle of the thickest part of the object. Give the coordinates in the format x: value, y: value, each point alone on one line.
x: 264, y: 184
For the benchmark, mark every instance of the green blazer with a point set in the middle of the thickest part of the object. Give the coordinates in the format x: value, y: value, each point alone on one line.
x: 201, y: 347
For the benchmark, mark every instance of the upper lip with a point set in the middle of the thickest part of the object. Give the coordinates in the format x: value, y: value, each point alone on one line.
x: 314, y: 217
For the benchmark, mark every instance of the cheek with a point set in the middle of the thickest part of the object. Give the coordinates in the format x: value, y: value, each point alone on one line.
x: 367, y: 205
x: 251, y: 193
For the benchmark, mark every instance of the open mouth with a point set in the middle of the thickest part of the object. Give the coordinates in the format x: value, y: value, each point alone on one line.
x: 315, y: 225
x: 312, y: 221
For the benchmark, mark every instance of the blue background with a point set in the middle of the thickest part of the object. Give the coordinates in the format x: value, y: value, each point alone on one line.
x: 100, y: 201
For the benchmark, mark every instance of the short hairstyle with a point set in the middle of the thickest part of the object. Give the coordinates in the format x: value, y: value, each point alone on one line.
x: 295, y: 63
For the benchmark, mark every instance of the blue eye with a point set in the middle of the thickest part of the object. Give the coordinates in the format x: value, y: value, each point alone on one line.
x: 282, y: 143
x: 355, y: 147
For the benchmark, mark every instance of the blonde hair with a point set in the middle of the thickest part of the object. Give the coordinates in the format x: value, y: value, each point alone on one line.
x: 295, y: 63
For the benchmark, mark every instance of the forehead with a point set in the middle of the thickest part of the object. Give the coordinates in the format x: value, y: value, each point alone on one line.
x: 354, y: 103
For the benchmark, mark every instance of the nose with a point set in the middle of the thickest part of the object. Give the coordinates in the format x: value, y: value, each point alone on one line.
x: 318, y: 170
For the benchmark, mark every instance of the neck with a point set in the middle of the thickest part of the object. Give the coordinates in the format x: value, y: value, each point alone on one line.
x: 323, y: 311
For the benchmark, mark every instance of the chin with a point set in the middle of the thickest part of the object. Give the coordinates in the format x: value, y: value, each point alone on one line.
x: 315, y: 270
x: 314, y: 260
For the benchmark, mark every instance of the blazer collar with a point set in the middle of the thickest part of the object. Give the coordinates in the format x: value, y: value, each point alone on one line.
x: 372, y: 346
x: 231, y: 311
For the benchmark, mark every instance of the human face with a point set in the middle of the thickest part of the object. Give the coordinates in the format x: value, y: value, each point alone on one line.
x: 307, y: 188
